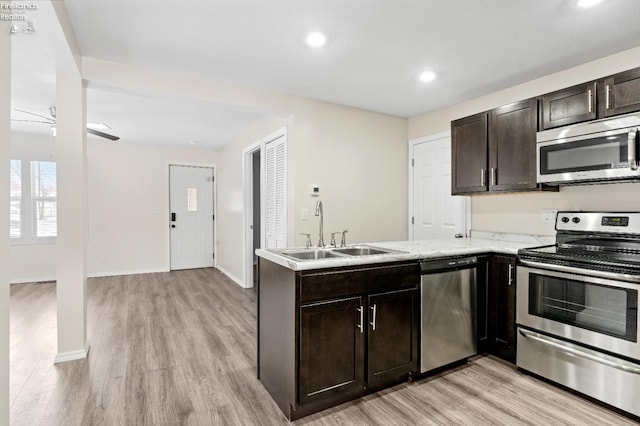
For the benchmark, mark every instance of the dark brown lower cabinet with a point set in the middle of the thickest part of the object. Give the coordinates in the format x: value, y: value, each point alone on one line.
x: 329, y: 336
x: 338, y: 336
x: 392, y: 349
x: 331, y: 349
x: 502, y: 307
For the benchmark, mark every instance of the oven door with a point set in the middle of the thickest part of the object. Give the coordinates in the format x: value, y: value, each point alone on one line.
x: 596, y: 312
x: 598, y: 156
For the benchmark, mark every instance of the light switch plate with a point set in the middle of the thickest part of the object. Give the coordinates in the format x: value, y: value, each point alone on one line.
x: 304, y: 214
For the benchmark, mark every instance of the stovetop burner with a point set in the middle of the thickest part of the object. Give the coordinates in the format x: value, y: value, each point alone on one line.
x: 599, y: 241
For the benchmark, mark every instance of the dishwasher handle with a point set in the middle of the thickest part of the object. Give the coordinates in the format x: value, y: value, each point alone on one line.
x: 451, y: 264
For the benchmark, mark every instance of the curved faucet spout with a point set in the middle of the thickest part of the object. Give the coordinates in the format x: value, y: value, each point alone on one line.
x: 320, y: 213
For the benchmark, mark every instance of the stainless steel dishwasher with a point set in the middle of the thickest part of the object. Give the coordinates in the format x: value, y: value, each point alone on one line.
x: 448, y: 311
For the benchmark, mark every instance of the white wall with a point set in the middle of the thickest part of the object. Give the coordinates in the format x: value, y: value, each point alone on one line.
x: 128, y: 204
x: 128, y: 207
x: 358, y: 158
x: 5, y: 142
x: 522, y: 213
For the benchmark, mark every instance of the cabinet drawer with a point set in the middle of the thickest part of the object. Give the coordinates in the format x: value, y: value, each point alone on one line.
x: 322, y: 285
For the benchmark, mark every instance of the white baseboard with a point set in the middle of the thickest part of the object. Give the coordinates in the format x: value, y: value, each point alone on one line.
x: 131, y: 272
x: 73, y: 355
x: 233, y: 278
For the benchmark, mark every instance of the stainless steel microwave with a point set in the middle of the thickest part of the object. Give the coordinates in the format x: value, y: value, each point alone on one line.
x: 601, y: 150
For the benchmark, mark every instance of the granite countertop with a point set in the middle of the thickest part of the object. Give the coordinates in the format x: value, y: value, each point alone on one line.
x: 480, y: 242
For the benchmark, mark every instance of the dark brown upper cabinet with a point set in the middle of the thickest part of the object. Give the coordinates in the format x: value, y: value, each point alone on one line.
x: 568, y: 106
x: 621, y: 93
x: 512, y: 147
x: 495, y: 151
x: 469, y: 147
x: 605, y: 97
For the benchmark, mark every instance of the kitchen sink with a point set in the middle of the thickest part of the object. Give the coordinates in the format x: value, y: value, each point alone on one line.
x: 332, y: 253
x: 361, y: 251
x: 309, y: 254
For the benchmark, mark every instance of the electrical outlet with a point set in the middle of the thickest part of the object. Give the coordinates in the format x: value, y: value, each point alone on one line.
x: 549, y: 215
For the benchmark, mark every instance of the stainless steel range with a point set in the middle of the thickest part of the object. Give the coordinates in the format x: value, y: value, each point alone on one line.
x: 577, y: 307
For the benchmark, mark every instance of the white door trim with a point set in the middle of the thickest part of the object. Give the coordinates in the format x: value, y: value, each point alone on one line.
x: 167, y: 203
x: 412, y: 144
x: 247, y: 237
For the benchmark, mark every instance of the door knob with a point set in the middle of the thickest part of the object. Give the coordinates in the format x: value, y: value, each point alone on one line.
x: 173, y: 226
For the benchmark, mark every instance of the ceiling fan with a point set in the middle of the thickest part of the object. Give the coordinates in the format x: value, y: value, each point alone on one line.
x: 91, y: 127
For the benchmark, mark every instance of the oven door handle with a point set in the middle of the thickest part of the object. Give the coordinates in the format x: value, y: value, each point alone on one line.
x: 584, y: 272
x: 539, y: 338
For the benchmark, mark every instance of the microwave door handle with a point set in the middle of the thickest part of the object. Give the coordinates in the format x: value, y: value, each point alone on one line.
x: 632, y: 149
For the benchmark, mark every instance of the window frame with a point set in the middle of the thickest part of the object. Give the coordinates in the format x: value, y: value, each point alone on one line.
x: 28, y: 225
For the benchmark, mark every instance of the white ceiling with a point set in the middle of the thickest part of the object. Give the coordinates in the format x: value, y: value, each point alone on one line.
x: 375, y: 50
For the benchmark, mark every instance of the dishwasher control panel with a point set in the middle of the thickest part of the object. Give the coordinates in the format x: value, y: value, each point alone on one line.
x: 431, y: 266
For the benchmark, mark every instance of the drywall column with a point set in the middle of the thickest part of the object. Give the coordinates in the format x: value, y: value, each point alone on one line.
x: 71, y: 244
x: 5, y: 135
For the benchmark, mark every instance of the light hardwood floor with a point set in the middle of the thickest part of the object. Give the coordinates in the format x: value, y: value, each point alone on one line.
x: 179, y: 348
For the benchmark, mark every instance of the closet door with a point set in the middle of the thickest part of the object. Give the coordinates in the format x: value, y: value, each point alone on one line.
x: 276, y: 193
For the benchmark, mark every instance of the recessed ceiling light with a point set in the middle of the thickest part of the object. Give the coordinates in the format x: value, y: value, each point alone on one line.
x: 427, y: 76
x: 316, y: 39
x: 192, y: 142
x: 588, y: 3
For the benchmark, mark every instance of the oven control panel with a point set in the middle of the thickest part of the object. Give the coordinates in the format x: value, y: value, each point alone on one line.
x: 611, y: 222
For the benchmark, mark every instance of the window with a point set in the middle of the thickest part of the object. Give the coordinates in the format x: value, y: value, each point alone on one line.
x: 33, y: 201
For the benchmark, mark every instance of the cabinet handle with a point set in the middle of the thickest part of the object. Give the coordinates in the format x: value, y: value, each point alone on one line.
x: 590, y: 100
x: 510, y: 274
x: 607, y: 92
x: 360, y: 326
x: 373, y: 322
x: 481, y: 177
x: 494, y: 180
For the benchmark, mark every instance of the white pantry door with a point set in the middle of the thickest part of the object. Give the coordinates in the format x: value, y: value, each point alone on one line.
x: 191, y: 217
x: 436, y: 213
x: 275, y: 203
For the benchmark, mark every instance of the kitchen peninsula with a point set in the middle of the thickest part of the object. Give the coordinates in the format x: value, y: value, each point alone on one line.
x: 337, y: 324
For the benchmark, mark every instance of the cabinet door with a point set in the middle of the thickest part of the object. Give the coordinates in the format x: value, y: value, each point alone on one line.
x: 482, y: 297
x: 469, y: 154
x: 622, y: 93
x: 512, y: 146
x: 393, y: 336
x: 502, y: 307
x: 567, y: 106
x: 331, y: 362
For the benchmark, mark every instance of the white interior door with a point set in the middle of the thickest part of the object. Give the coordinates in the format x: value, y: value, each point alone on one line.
x: 435, y: 212
x: 191, y: 216
x: 275, y: 190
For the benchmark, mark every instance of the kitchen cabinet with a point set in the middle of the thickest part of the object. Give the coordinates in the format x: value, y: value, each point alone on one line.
x: 327, y: 336
x: 512, y: 147
x: 502, y: 307
x: 469, y: 146
x: 331, y: 349
x: 482, y: 302
x: 392, y: 349
x: 606, y: 97
x: 621, y: 93
x: 496, y: 151
x: 568, y: 106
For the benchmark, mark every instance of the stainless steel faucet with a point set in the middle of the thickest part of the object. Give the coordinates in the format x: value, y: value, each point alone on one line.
x: 321, y: 214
